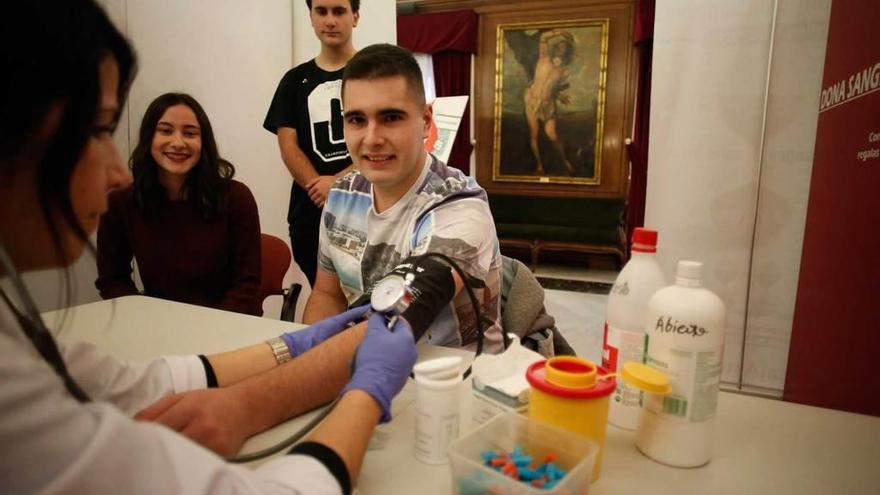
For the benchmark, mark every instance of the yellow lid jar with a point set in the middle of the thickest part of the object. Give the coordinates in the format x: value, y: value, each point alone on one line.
x: 572, y: 393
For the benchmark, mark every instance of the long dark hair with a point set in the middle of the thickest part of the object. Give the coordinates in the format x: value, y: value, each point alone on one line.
x: 207, y: 184
x: 50, y: 51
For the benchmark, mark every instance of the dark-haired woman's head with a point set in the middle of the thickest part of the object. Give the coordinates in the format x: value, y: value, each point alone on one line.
x: 176, y: 157
x: 66, y: 72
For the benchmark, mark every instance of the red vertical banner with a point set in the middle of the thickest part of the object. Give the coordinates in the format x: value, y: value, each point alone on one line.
x: 835, y: 342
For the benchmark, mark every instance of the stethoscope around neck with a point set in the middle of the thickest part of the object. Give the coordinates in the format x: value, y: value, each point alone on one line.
x: 34, y: 328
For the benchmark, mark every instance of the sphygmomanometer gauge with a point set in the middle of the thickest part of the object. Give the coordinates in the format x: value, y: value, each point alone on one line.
x: 391, y: 295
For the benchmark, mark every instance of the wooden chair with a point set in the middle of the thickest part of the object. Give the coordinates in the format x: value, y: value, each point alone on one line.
x: 275, y: 260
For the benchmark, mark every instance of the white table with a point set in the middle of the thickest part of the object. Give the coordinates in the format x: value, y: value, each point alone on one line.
x: 761, y: 445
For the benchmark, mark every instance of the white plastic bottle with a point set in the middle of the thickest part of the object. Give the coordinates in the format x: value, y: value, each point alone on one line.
x: 685, y: 330
x: 438, y: 386
x: 625, y: 322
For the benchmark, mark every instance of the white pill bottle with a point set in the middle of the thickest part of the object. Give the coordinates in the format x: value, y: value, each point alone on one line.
x: 438, y: 386
x: 685, y: 340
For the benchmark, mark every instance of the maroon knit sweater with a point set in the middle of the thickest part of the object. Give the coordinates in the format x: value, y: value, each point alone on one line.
x: 180, y: 256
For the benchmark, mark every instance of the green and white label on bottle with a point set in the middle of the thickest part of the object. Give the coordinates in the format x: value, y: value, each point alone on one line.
x: 694, y: 376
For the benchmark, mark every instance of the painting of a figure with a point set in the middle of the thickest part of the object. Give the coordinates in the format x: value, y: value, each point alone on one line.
x: 550, y: 93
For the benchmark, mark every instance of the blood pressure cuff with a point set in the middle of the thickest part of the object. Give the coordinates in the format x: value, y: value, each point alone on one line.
x: 432, y: 288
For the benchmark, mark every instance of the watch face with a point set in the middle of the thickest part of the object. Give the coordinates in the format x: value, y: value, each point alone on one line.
x: 388, y: 294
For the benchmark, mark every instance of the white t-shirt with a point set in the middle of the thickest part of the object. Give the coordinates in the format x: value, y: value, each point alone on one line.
x: 444, y: 212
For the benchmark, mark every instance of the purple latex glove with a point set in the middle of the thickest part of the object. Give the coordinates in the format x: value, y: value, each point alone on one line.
x: 302, y: 340
x: 383, y: 361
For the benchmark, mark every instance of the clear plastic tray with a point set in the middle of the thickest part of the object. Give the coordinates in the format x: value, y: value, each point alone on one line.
x: 574, y: 453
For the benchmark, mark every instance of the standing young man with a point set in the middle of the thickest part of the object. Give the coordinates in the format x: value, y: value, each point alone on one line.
x: 400, y: 203
x: 306, y: 115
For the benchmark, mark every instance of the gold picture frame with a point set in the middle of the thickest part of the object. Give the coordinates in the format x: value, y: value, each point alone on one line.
x: 550, y: 97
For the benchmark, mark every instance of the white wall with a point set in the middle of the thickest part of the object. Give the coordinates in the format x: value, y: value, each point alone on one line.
x: 229, y: 55
x: 709, y: 85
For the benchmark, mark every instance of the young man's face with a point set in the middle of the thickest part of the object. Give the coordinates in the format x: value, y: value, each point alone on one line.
x: 385, y: 128
x: 333, y: 21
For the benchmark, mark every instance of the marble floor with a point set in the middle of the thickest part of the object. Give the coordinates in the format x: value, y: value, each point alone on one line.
x: 576, y: 298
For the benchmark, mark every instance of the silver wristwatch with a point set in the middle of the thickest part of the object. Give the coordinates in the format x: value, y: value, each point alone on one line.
x: 279, y: 350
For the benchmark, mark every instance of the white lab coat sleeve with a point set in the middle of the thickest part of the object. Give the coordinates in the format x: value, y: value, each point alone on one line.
x: 53, y: 444
x: 130, y: 386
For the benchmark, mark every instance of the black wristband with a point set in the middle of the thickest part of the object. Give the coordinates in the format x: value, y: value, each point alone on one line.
x: 210, y: 377
x: 329, y: 458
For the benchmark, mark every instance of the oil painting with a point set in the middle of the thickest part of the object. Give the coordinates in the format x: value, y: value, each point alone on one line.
x: 549, y: 101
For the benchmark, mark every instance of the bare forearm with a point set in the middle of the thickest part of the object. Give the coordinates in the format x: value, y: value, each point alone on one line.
x: 299, y: 166
x: 347, y: 430
x: 295, y: 160
x: 234, y: 366
x: 302, y: 384
x: 321, y: 305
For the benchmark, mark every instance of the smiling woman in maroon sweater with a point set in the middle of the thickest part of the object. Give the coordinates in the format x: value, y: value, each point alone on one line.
x: 194, y: 232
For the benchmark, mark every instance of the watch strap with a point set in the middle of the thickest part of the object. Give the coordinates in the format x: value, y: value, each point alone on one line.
x: 279, y: 350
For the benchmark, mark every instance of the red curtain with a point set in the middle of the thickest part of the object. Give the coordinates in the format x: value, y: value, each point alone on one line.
x: 638, y: 148
x: 455, y: 80
x: 437, y: 32
x: 451, y: 39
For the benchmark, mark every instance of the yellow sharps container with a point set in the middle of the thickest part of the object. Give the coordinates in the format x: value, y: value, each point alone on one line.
x: 572, y: 393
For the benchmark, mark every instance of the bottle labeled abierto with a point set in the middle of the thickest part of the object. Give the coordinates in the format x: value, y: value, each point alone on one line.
x: 625, y: 322
x: 685, y: 341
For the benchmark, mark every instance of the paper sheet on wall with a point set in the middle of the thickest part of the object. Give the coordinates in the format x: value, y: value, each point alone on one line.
x: 448, y: 111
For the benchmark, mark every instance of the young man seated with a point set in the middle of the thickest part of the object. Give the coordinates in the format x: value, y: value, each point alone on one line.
x: 400, y: 203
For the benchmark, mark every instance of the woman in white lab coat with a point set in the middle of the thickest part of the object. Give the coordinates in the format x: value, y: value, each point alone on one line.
x: 66, y: 410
